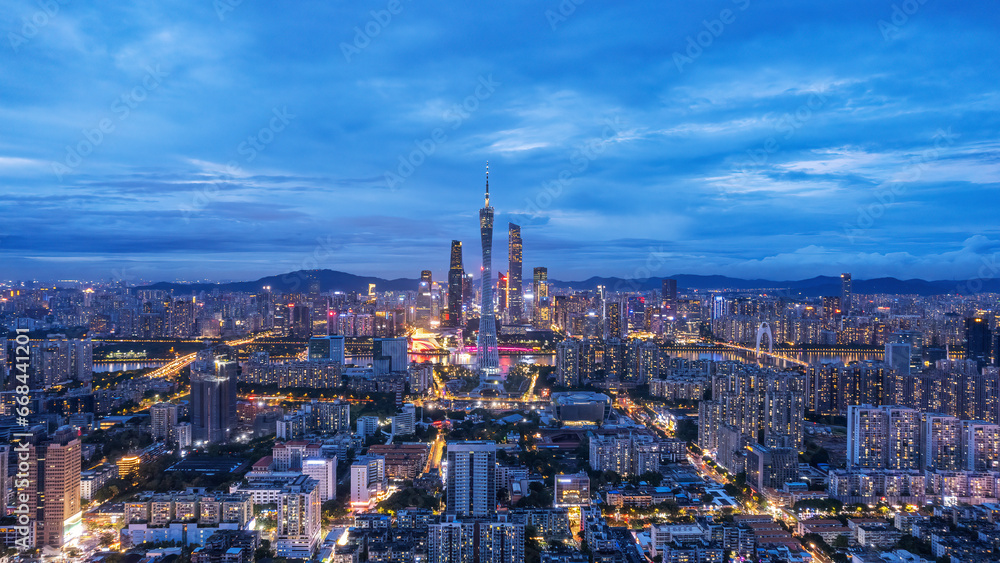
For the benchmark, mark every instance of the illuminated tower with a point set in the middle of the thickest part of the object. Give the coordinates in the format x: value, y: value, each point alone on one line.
x: 456, y: 275
x: 515, y: 297
x: 488, y: 355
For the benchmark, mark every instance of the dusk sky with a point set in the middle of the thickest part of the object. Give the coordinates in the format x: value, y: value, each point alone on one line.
x: 229, y: 140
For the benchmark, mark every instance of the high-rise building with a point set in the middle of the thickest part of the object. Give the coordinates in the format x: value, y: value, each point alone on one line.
x: 669, y: 296
x: 542, y: 312
x: 299, y: 518
x: 897, y: 356
x: 368, y: 480
x: 472, y: 479
x: 327, y: 348
x: 389, y: 355
x: 501, y: 542
x: 846, y: 293
x: 213, y: 400
x: 324, y: 471
x: 568, y: 363
x: 771, y: 467
x: 54, y: 485
x: 488, y: 354
x: 456, y: 282
x: 980, y: 446
x: 571, y: 489
x: 163, y: 418
x: 424, y: 302
x: 515, y: 300
x: 978, y: 341
x: 613, y: 320
x: 941, y: 440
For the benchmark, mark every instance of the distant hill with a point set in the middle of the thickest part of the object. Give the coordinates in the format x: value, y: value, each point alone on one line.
x: 332, y: 280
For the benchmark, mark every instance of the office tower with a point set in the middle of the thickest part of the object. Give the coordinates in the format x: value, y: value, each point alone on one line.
x: 327, y: 348
x: 515, y: 301
x: 669, y: 296
x: 613, y: 320
x: 389, y: 355
x: 978, y: 341
x: 213, y: 400
x: 299, y: 321
x: 54, y: 485
x: 941, y: 438
x: 542, y: 312
x: 323, y: 470
x: 846, y: 294
x: 503, y: 293
x: 368, y: 480
x: 771, y: 467
x: 423, y: 308
x: 472, y: 479
x: 163, y: 418
x: 488, y: 354
x: 897, y: 356
x: 299, y: 519
x: 568, y: 363
x: 456, y: 281
x: 571, y: 490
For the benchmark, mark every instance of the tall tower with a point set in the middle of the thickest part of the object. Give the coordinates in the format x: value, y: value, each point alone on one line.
x: 456, y: 281
x: 846, y: 293
x: 423, y: 309
x: 515, y: 299
x: 488, y: 355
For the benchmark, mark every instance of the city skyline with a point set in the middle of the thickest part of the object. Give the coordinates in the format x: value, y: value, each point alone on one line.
x: 670, y: 135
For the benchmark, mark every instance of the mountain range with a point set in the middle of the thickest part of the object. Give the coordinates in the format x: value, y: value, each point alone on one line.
x: 332, y: 280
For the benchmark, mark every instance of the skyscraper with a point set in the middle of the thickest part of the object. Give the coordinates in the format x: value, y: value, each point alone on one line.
x: 542, y: 315
x: 488, y: 357
x: 846, y: 295
x: 456, y: 281
x: 423, y: 309
x: 472, y: 479
x: 515, y: 300
x: 213, y: 400
x: 54, y: 484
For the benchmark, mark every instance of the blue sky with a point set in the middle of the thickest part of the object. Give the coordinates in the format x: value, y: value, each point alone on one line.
x: 230, y: 140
